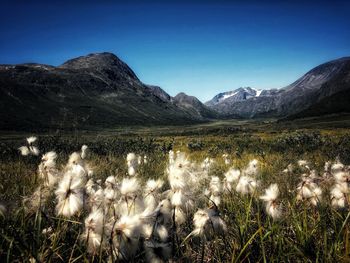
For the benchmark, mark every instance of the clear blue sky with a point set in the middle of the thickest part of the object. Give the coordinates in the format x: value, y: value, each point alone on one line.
x: 199, y: 47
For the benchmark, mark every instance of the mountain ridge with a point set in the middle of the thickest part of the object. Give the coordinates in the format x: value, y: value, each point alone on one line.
x: 100, y: 90
x: 97, y: 90
x: 289, y: 100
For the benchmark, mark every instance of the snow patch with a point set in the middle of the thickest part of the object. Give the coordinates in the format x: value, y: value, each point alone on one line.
x: 228, y: 95
x: 257, y: 92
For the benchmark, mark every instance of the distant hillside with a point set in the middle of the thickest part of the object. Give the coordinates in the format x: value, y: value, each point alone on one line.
x: 332, y: 97
x: 317, y: 84
x: 193, y: 106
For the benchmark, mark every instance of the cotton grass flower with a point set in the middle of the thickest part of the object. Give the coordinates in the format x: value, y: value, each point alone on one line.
x: 304, y: 164
x: 110, y: 192
x: 339, y: 173
x: 47, y: 169
x: 289, y: 169
x: 34, y: 150
x: 97, y: 199
x: 152, y: 194
x: 270, y: 198
x: 178, y: 198
x: 171, y: 157
x: 179, y: 177
x: 84, y: 149
x: 47, y: 231
x: 309, y: 191
x: 74, y: 159
x: 110, y: 195
x: 227, y: 161
x: 327, y: 170
x: 339, y: 195
x: 126, y: 233
x: 337, y: 167
x: 24, y: 150
x: 181, y: 161
x: 93, y: 231
x: 181, y: 203
x: 131, y: 201
x: 246, y: 185
x: 252, y: 169
x: 180, y: 216
x: 90, y: 187
x: 49, y: 159
x: 215, y: 185
x: 110, y: 181
x: 317, y: 196
x: 164, y: 212
x: 132, y: 163
x: 208, y: 223
x: 207, y: 163
x: 30, y: 149
x: 129, y: 187
x: 31, y: 139
x: 200, y: 222
x: 69, y: 195
x: 231, y: 177
x: 94, y: 221
x: 215, y: 189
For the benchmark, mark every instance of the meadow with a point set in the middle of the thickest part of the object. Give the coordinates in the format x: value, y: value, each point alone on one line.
x: 230, y: 191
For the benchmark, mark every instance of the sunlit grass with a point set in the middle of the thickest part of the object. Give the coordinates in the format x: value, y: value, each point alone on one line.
x: 304, y: 233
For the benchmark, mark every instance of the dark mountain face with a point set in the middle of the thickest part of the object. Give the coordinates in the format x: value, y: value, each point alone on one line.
x: 160, y: 93
x: 322, y: 81
x: 193, y: 106
x: 97, y: 90
x: 105, y: 64
x: 332, y: 97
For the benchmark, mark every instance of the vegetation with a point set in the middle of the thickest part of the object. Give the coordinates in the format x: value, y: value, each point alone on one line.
x: 223, y: 218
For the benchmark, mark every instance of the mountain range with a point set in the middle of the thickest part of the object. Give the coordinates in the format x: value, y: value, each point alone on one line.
x: 303, y: 97
x: 97, y: 90
x: 100, y: 90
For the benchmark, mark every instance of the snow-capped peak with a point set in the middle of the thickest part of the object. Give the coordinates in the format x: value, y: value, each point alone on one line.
x: 227, y: 95
x: 257, y: 92
x: 239, y: 94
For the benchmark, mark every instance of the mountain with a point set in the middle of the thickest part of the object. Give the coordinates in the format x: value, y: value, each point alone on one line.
x: 97, y: 90
x: 333, y: 97
x: 316, y: 85
x: 193, y: 106
x: 160, y: 93
x: 234, y: 96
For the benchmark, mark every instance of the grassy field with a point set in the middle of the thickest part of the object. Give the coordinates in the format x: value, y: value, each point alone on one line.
x: 234, y: 225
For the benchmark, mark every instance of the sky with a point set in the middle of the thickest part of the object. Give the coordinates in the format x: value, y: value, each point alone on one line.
x: 197, y: 47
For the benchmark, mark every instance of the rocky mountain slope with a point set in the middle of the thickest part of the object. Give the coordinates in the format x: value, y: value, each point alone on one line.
x: 239, y: 94
x: 193, y: 106
x: 97, y: 90
x: 316, y: 85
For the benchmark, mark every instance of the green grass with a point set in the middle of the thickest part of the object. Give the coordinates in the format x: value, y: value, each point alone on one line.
x: 304, y: 234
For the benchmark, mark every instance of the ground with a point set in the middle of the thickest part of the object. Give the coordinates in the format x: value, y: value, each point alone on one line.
x: 304, y: 234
